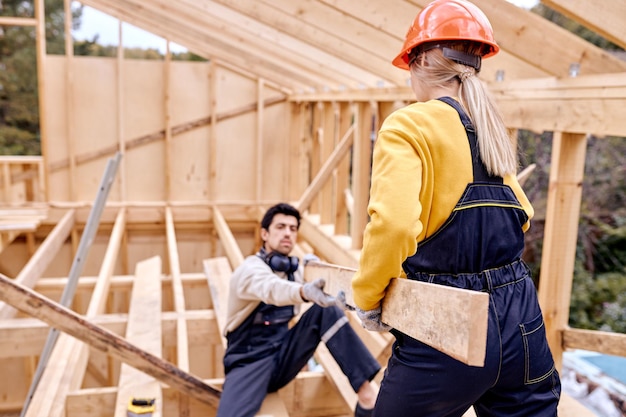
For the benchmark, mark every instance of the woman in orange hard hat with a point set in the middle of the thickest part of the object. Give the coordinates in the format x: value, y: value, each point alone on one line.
x: 444, y: 193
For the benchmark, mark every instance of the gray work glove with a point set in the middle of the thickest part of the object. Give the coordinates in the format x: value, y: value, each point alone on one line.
x: 341, y: 301
x: 309, y: 257
x: 371, y: 319
x: 313, y: 291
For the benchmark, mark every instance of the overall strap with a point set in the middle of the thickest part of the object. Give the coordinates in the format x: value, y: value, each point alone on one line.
x: 478, y: 168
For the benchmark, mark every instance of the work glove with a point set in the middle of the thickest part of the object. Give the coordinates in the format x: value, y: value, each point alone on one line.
x: 313, y: 291
x: 371, y: 319
x: 341, y: 301
x: 309, y: 257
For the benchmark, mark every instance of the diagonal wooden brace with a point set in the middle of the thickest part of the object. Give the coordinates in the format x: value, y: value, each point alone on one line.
x: 67, y: 321
x: 451, y: 320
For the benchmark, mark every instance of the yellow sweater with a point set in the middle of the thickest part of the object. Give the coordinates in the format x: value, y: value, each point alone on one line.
x: 421, y: 166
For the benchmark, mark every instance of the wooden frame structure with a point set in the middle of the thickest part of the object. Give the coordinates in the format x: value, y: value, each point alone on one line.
x: 285, y: 109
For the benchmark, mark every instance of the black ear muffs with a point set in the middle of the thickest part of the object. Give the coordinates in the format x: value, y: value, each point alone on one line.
x: 282, y: 263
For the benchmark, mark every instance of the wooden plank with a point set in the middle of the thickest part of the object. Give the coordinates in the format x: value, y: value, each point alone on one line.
x: 182, y: 340
x: 606, y: 18
x: 218, y: 271
x: 560, y: 235
x: 38, y: 263
x: 595, y: 340
x: 17, y: 21
x: 362, y: 170
x: 99, y: 338
x: 143, y: 330
x: 69, y: 357
x: 452, y: 320
x: 26, y: 336
x: 310, y: 394
x: 177, y: 289
x: 227, y: 239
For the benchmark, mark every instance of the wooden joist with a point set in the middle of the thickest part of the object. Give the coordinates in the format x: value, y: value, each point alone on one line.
x: 452, y: 320
x: 45, y: 254
x: 99, y: 338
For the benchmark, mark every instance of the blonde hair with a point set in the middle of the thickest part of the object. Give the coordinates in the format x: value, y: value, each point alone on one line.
x: 497, y: 149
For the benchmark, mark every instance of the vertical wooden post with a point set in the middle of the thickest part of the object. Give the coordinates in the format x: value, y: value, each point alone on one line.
x: 259, y: 141
x: 296, y: 160
x: 69, y: 100
x: 316, y: 151
x: 343, y: 173
x: 361, y: 170
x: 330, y: 140
x: 40, y: 41
x: 168, y: 123
x: 121, y: 177
x: 212, y: 131
x: 559, y: 242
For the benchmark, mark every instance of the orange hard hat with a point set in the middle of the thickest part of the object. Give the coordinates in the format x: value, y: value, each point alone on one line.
x: 448, y: 20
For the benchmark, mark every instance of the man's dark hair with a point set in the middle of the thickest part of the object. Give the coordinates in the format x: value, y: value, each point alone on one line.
x: 280, y: 208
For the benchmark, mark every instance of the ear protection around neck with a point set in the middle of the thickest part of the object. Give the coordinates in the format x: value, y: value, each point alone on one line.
x: 279, y: 262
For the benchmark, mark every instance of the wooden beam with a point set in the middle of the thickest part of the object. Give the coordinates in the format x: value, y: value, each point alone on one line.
x: 24, y: 337
x: 99, y: 338
x: 17, y: 21
x: 560, y: 235
x: 160, y: 135
x: 45, y: 254
x: 366, y: 125
x: 595, y: 340
x: 542, y: 43
x: 182, y: 351
x: 604, y: 18
x: 452, y: 320
x: 103, y: 282
x: 144, y: 331
x: 227, y: 239
x: 69, y: 358
x: 331, y: 31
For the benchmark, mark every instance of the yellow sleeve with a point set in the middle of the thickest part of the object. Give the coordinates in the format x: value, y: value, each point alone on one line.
x: 511, y: 181
x: 394, y: 209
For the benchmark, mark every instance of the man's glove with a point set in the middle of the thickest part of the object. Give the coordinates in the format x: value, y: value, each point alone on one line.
x: 371, y: 319
x: 341, y: 301
x: 313, y: 291
x: 309, y: 257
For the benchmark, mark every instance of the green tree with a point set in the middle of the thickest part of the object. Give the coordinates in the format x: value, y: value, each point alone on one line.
x: 19, y: 107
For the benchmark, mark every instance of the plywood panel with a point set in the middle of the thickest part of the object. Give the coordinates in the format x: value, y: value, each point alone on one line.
x: 145, y: 172
x: 189, y: 166
x: 276, y: 128
x: 236, y: 159
x: 93, y: 106
x: 144, y: 92
x: 190, y: 91
x: 233, y: 90
x: 190, y: 98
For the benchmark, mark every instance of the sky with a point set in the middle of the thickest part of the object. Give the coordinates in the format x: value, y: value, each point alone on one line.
x: 94, y: 23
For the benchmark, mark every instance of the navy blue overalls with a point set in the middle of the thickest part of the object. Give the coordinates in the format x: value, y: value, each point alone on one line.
x: 478, y: 248
x: 264, y: 354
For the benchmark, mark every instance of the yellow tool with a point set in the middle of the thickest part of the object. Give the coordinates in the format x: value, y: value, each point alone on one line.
x: 141, y: 407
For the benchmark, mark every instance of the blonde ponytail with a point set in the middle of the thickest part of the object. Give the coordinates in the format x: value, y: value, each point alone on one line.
x: 497, y: 149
